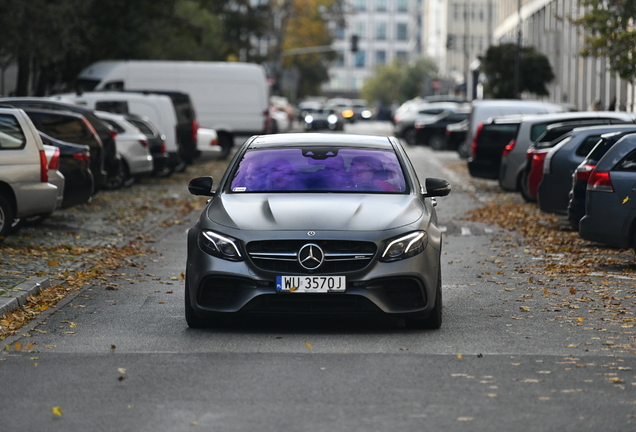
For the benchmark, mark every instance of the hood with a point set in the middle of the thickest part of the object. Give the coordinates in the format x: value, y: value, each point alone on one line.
x: 325, y: 212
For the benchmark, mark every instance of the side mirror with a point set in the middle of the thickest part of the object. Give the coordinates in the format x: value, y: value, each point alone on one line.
x: 201, y: 186
x: 436, y: 187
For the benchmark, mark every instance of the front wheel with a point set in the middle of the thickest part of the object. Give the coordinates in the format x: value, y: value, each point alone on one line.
x: 437, y: 142
x: 6, y: 217
x: 410, y: 136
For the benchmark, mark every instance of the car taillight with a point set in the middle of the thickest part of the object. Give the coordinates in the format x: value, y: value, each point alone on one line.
x: 112, y: 134
x: 473, y: 144
x: 143, y: 143
x: 82, y: 156
x: 507, y: 149
x: 195, y: 129
x: 529, y: 154
x: 55, y: 160
x: 44, y: 170
x: 583, y: 172
x: 600, y: 181
x: 163, y: 147
x: 266, y: 121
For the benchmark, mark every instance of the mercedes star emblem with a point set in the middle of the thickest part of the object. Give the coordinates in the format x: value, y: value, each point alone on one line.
x: 310, y: 256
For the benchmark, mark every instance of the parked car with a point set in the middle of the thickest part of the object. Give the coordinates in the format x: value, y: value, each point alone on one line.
x: 489, y: 141
x: 610, y: 203
x: 159, y: 108
x: 55, y: 175
x: 455, y: 134
x: 431, y: 131
x: 25, y: 190
x: 538, y: 151
x: 327, y: 119
x: 531, y: 128
x: 484, y: 109
x: 208, y: 143
x: 132, y: 146
x: 104, y: 161
x: 156, y: 143
x: 74, y: 164
x: 405, y: 117
x: 72, y: 128
x: 343, y: 108
x: 317, y: 223
x: 361, y: 110
x: 561, y: 161
x: 308, y: 107
x: 576, y: 205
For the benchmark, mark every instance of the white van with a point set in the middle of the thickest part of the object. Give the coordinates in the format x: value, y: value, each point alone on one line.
x: 231, y: 98
x: 483, y: 109
x: 158, y: 108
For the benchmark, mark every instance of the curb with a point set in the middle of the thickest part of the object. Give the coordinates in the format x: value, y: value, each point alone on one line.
x: 18, y: 295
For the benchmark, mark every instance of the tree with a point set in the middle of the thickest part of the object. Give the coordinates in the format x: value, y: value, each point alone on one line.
x: 398, y: 82
x: 609, y: 32
x: 498, y: 67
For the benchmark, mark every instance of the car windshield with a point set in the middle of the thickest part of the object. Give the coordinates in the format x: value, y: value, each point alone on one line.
x: 319, y: 169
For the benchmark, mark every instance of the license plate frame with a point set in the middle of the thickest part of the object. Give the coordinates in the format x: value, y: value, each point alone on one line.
x: 311, y: 284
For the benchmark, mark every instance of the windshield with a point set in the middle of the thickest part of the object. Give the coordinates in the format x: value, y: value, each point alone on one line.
x: 318, y: 169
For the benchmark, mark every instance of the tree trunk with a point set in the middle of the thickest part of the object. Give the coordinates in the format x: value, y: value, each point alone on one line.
x: 24, y: 71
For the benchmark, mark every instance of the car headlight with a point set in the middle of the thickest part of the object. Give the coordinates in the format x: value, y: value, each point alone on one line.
x: 405, y: 246
x: 366, y: 114
x: 219, y: 246
x: 309, y: 119
x: 332, y: 119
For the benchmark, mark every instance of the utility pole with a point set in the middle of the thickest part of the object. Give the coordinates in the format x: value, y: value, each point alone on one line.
x: 518, y: 54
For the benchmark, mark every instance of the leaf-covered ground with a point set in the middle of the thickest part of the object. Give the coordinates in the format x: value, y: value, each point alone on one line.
x: 83, y: 244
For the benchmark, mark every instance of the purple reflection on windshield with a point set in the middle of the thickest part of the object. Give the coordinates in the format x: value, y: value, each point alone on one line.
x: 320, y: 169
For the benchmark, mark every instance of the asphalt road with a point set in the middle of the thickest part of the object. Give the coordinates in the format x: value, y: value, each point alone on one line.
x: 118, y: 356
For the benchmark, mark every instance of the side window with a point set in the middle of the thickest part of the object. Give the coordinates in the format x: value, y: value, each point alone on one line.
x: 587, y: 145
x: 628, y: 163
x: 115, y: 126
x: 11, y: 135
x: 116, y: 107
x: 114, y: 86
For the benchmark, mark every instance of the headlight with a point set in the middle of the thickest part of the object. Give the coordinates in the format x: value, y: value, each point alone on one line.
x: 309, y: 119
x: 405, y: 246
x: 366, y: 114
x: 332, y: 119
x: 219, y: 246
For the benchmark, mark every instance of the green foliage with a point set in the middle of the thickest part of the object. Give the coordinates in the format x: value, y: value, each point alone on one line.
x: 498, y: 66
x: 609, y: 32
x: 398, y: 82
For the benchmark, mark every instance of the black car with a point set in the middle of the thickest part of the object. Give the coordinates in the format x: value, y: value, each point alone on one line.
x: 488, y: 143
x: 71, y: 128
x: 576, y: 206
x: 156, y: 143
x: 74, y: 164
x: 105, y: 163
x: 327, y: 119
x: 432, y: 131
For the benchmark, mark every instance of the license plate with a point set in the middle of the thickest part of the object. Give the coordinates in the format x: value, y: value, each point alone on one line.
x: 311, y: 284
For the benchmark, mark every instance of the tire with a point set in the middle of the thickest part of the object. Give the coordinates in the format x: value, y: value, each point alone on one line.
x: 7, y: 217
x: 464, y: 150
x: 226, y: 141
x: 116, y: 179
x: 523, y: 187
x: 437, y: 142
x: 410, y: 136
x: 434, y: 320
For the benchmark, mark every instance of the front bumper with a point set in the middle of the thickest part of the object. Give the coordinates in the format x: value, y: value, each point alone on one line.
x: 406, y: 287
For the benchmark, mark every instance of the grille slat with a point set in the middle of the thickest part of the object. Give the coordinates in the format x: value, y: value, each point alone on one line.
x: 340, y: 255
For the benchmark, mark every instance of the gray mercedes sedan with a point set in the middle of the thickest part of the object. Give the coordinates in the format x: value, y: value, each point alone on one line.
x: 316, y: 223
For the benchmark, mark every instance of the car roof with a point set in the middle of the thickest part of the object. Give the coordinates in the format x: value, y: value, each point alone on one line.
x: 307, y: 139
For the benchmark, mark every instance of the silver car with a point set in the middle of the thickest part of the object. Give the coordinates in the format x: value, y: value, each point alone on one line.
x: 317, y: 223
x: 25, y: 190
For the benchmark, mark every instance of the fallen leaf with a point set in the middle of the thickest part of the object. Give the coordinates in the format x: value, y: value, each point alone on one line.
x: 52, y: 263
x: 459, y: 356
x: 524, y: 308
x: 17, y: 346
x: 465, y: 418
x: 121, y: 370
x: 57, y: 411
x: 308, y: 345
x: 572, y: 290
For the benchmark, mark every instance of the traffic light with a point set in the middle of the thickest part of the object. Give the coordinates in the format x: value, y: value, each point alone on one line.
x: 450, y: 42
x: 354, y: 43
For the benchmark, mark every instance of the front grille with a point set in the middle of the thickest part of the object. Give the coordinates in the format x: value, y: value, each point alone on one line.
x: 311, y: 303
x: 281, y: 256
